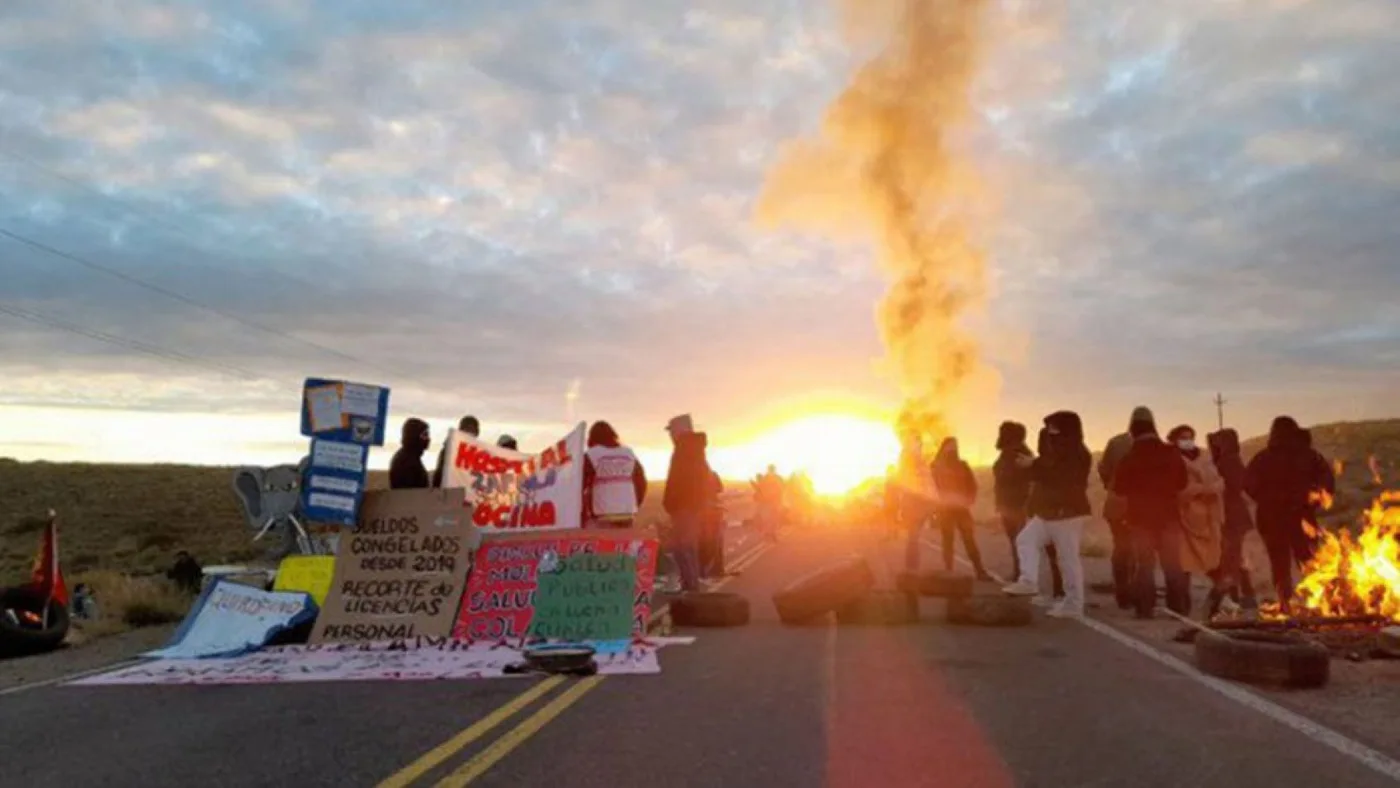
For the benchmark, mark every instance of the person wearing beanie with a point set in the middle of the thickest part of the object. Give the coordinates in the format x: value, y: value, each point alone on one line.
x: 1115, y: 508
x: 1012, y: 489
x: 1202, y: 506
x: 1281, y: 479
x: 406, y: 471
x: 1150, y: 480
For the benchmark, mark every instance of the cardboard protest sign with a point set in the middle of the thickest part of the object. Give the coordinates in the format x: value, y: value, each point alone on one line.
x: 400, y: 574
x: 231, y: 619
x: 510, y: 491
x: 309, y: 573
x: 585, y: 597
x: 502, y: 592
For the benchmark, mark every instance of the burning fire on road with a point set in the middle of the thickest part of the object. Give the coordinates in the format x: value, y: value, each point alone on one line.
x: 1353, y: 576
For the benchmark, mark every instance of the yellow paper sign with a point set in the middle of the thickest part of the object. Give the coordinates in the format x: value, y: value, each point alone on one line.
x: 309, y: 573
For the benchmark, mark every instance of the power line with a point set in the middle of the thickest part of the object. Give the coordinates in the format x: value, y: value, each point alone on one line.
x: 125, y: 342
x: 171, y: 294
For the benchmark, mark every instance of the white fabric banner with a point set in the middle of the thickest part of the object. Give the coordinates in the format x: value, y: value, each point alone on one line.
x: 231, y: 618
x: 434, y: 658
x: 512, y: 492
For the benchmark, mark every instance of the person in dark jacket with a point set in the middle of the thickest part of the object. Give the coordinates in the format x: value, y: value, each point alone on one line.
x: 1115, y: 511
x: 406, y: 471
x: 1150, y: 479
x: 687, y: 494
x: 1013, y: 491
x: 1232, y: 579
x: 957, y: 492
x: 186, y: 573
x: 1281, y: 479
x: 1059, y: 510
x: 468, y: 425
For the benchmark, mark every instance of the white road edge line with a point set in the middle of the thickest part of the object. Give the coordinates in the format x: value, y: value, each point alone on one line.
x: 738, y: 564
x: 1377, y: 761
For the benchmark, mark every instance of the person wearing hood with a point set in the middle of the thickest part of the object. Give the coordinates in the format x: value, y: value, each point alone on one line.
x: 468, y: 425
x: 1151, y: 478
x: 614, y: 482
x: 508, y: 442
x: 1115, y: 510
x: 406, y: 471
x: 1202, y: 504
x: 957, y: 492
x: 1281, y: 479
x: 686, y: 496
x: 1059, y: 510
x: 1231, y: 578
x: 1012, y: 477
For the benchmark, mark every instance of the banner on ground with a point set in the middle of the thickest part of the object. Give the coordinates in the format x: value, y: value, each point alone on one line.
x: 510, y: 491
x: 424, y: 659
x: 400, y: 574
x: 501, y: 598
x: 230, y: 619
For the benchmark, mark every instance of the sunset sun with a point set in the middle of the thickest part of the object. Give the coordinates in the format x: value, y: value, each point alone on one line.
x: 837, y: 452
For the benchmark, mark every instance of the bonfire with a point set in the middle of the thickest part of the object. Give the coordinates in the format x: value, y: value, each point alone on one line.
x: 1356, y: 576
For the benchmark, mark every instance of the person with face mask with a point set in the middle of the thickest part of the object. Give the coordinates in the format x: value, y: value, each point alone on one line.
x: 468, y: 425
x: 957, y: 492
x: 1202, y: 504
x: 1059, y: 509
x: 406, y: 471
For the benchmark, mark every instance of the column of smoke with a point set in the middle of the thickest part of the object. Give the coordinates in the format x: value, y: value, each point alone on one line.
x: 885, y: 166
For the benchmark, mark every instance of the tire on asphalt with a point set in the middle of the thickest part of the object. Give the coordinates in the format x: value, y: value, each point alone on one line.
x: 710, y: 609
x: 824, y: 591
x: 1266, y: 658
x: 19, y: 641
x: 1388, y: 641
x: 990, y: 610
x: 881, y: 608
x: 936, y: 583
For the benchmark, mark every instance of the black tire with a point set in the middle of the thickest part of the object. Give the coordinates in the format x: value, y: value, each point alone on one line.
x: 824, y: 591
x: 945, y: 585
x: 990, y: 610
x: 1265, y: 658
x: 20, y: 641
x: 881, y: 608
x: 709, y: 609
x: 1388, y: 641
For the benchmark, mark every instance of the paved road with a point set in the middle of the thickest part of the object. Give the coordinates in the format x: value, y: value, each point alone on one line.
x: 1057, y: 704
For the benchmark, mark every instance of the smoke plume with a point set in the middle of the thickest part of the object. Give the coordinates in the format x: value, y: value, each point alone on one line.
x: 884, y: 166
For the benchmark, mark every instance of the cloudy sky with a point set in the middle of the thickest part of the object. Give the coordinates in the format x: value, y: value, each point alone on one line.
x: 486, y: 205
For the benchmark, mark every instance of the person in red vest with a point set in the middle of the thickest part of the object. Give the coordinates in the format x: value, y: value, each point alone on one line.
x: 614, y: 481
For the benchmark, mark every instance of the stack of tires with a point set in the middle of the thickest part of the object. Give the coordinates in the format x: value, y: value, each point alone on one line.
x: 848, y: 590
x: 965, y: 606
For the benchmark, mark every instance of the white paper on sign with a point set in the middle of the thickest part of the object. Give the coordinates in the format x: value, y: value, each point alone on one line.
x: 323, y: 404
x: 335, y: 484
x: 340, y: 456
x: 339, y: 502
x: 361, y: 400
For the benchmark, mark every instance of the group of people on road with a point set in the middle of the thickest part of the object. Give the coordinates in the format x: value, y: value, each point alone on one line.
x: 1170, y: 503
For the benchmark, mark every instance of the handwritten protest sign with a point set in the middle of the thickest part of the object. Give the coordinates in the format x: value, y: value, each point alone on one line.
x: 230, y: 618
x: 586, y: 597
x: 400, y: 574
x: 510, y: 491
x: 501, y: 597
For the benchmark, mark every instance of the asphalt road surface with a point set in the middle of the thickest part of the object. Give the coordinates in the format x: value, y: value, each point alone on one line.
x: 1060, y: 703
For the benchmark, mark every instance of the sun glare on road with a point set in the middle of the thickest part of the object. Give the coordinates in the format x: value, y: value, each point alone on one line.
x: 837, y: 452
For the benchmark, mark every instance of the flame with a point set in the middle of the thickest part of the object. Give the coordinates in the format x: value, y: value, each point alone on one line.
x: 1337, y: 467
x: 888, y: 166
x: 1357, y: 576
x: 1321, y: 498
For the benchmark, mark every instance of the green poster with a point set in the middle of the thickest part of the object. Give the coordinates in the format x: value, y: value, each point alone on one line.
x: 586, y: 597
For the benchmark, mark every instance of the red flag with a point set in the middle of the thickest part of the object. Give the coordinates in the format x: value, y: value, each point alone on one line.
x: 48, y: 578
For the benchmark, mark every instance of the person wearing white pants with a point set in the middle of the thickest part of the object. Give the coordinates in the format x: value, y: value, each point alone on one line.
x: 1059, y: 509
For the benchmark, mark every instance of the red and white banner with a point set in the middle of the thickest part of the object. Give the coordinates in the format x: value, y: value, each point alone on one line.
x: 513, y: 492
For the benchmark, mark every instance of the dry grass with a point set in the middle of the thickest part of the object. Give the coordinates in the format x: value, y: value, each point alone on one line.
x: 127, y: 602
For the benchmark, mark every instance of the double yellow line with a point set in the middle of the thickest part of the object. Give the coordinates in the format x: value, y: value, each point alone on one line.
x: 497, y: 750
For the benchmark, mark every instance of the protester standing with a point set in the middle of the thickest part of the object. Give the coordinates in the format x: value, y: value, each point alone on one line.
x: 1059, y: 510
x: 957, y: 492
x: 712, y: 534
x: 1281, y: 479
x: 1150, y: 479
x: 768, y: 495
x: 614, y: 481
x: 686, y: 495
x: 916, y: 498
x: 1012, y: 475
x: 468, y: 425
x: 406, y: 471
x: 1231, y: 578
x: 1115, y: 511
x: 1202, y: 504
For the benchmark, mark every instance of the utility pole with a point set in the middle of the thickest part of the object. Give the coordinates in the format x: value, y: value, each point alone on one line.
x: 1220, y: 410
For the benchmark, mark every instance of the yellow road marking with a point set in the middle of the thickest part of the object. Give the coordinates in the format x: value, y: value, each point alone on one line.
x: 500, y: 748
x: 481, y: 727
